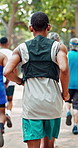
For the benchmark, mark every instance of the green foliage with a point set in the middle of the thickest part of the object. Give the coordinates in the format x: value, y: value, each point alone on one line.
x: 21, y: 6
x: 2, y: 31
x: 61, y: 13
x: 58, y: 11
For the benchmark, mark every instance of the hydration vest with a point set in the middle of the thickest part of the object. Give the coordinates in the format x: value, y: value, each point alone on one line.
x: 40, y: 63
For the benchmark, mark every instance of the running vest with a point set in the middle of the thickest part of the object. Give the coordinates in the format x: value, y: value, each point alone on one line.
x: 40, y: 63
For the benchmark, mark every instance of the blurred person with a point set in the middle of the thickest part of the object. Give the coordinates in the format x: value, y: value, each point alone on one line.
x: 73, y: 85
x: 54, y: 36
x: 42, y: 98
x: 3, y: 99
x: 9, y: 85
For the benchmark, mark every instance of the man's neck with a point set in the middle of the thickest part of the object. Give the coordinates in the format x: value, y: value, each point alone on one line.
x: 43, y: 33
x: 3, y: 46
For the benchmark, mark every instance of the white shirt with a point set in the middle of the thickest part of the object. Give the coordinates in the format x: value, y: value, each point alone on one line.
x: 41, y: 96
x: 8, y: 54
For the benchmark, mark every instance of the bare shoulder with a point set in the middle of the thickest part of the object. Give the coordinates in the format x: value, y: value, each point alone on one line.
x: 16, y: 51
x: 63, y: 48
x: 16, y: 55
x: 62, y: 55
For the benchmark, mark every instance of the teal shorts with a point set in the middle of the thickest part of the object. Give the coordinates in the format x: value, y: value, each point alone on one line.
x: 37, y: 129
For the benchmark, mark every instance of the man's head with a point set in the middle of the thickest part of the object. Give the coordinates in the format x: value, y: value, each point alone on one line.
x: 73, y: 44
x: 54, y: 36
x: 4, y: 42
x: 39, y: 22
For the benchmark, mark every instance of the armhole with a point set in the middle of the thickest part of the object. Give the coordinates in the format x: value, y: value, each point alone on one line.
x: 24, y: 53
x: 54, y: 51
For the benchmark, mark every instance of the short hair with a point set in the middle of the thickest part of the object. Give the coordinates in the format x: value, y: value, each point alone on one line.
x: 39, y: 21
x: 73, y: 44
x: 3, y: 40
x: 54, y: 36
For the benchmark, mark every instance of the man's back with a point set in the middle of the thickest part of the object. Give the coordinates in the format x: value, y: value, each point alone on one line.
x: 42, y: 97
x: 40, y: 63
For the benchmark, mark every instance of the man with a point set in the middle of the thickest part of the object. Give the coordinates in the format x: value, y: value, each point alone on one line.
x: 8, y: 85
x: 41, y: 59
x: 73, y: 85
x: 3, y: 100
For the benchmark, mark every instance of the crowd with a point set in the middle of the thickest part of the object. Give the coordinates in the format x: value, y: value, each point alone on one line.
x: 45, y: 61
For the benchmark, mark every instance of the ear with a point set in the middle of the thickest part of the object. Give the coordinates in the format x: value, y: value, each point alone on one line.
x: 31, y: 28
x: 49, y: 27
x: 8, y: 44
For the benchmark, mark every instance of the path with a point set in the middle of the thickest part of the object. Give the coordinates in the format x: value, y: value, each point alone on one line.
x: 13, y: 136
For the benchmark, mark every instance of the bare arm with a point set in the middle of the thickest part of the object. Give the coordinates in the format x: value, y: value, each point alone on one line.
x: 11, y: 66
x: 64, y: 70
x: 3, y: 59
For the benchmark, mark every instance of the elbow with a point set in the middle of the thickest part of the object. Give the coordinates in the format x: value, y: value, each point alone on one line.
x: 5, y: 73
x: 64, y: 69
x: 65, y: 72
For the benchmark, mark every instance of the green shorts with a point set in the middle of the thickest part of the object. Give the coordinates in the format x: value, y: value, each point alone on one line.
x: 37, y: 129
x: 10, y: 90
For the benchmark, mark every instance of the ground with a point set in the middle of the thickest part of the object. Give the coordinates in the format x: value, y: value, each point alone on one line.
x: 13, y: 136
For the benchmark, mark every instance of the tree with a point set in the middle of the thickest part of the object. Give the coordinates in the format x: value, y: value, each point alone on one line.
x: 61, y: 13
x: 63, y: 16
x: 13, y: 14
x: 76, y: 20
